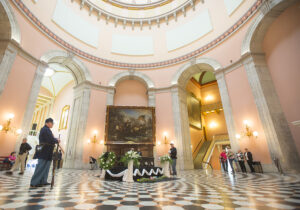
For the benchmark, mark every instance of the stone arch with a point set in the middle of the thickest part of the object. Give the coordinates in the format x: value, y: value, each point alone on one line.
x: 10, y: 36
x: 80, y: 105
x: 131, y: 75
x: 278, y: 135
x: 68, y: 60
x: 185, y: 71
x: 180, y: 115
x: 9, y: 23
x: 135, y: 75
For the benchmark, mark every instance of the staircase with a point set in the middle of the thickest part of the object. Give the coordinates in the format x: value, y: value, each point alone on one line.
x: 201, y: 154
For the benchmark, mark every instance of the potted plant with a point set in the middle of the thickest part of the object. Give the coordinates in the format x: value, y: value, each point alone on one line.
x: 130, y: 158
x: 106, y: 161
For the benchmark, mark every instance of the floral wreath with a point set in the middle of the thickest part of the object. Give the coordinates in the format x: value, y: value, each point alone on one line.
x: 107, y: 160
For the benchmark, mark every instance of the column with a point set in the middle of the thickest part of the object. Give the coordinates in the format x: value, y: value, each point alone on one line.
x: 227, y: 110
x: 35, y: 89
x: 9, y: 55
x: 110, y: 95
x: 151, y: 97
x: 275, y: 125
x: 74, y: 148
x: 182, y: 128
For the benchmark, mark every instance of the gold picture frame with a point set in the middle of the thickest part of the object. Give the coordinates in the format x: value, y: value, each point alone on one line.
x: 64, y: 117
x: 130, y: 125
x: 194, y: 111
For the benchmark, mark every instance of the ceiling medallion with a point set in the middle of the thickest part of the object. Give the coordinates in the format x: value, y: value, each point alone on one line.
x: 138, y: 4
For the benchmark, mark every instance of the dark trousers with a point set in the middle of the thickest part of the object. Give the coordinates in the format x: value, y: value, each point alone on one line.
x: 174, y: 172
x: 250, y: 163
x: 224, y: 165
x: 41, y: 172
x: 242, y: 165
x: 58, y: 164
x: 231, y: 165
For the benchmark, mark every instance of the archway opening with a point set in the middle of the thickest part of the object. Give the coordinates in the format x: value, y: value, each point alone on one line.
x: 55, y: 100
x: 207, y: 123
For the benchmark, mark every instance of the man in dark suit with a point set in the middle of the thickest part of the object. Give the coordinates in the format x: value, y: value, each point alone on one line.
x: 249, y: 159
x: 47, y: 141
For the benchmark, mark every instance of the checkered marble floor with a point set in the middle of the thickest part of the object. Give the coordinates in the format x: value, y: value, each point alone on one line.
x: 196, y: 189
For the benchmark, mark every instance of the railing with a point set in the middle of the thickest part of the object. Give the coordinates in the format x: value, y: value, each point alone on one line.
x: 197, y: 148
x: 207, y: 163
x: 210, y: 107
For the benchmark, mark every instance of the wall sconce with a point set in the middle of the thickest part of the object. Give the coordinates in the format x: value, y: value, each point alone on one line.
x: 158, y: 143
x: 94, y: 138
x: 209, y: 98
x: 248, y: 131
x: 213, y: 124
x: 165, y: 134
x: 8, y: 128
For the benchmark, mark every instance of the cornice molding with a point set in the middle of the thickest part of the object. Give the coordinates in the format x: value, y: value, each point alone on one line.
x: 157, y: 19
x: 140, y: 66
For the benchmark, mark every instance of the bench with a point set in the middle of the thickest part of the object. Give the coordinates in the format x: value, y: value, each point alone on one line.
x: 4, y: 166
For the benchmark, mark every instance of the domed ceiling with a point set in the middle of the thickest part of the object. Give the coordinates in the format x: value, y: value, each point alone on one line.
x: 138, y: 34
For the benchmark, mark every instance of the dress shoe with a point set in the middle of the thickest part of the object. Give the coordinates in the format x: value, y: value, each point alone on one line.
x: 21, y: 173
x: 46, y: 184
x: 35, y: 186
x: 9, y: 172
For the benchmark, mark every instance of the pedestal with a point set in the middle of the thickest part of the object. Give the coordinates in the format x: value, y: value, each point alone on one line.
x: 166, y: 168
x: 128, y: 176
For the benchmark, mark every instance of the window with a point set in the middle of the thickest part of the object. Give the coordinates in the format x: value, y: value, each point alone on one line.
x: 63, y: 123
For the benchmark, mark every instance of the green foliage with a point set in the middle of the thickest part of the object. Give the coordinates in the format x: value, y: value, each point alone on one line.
x: 107, y: 160
x: 131, y: 155
x: 152, y: 179
x: 166, y: 158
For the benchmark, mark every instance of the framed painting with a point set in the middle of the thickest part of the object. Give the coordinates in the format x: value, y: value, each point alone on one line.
x: 194, y: 111
x: 130, y: 125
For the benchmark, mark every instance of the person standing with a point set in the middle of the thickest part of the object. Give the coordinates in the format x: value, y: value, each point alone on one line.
x: 223, y: 158
x: 241, y: 159
x: 21, y: 158
x: 47, y: 142
x: 249, y: 159
x: 230, y: 156
x: 173, y: 155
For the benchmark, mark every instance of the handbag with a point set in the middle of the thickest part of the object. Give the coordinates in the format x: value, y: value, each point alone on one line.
x: 38, y: 151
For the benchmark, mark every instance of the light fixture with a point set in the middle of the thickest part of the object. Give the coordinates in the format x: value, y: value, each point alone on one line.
x: 248, y: 131
x: 165, y: 135
x: 213, y: 124
x: 208, y: 98
x: 102, y: 141
x: 49, y: 72
x: 158, y: 143
x: 94, y: 138
x: 6, y: 128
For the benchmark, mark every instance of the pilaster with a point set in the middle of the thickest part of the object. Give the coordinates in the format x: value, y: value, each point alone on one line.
x: 7, y: 61
x: 227, y: 110
x: 182, y: 129
x: 277, y: 132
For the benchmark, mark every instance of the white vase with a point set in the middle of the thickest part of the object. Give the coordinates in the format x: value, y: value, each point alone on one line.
x: 102, y: 177
x: 166, y: 168
x: 128, y: 176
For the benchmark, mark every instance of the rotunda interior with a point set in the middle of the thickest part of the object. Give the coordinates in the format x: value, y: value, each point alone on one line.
x: 209, y: 78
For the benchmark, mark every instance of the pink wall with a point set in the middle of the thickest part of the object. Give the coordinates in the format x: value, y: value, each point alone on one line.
x: 14, y: 99
x: 131, y: 93
x: 96, y: 121
x: 282, y: 47
x: 65, y: 97
x: 244, y: 108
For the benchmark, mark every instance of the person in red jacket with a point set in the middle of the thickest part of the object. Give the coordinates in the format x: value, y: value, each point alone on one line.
x: 223, y: 159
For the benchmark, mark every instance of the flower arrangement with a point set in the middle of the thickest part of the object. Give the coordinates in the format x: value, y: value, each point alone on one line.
x: 152, y: 179
x: 131, y: 155
x: 165, y: 158
x: 107, y: 160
